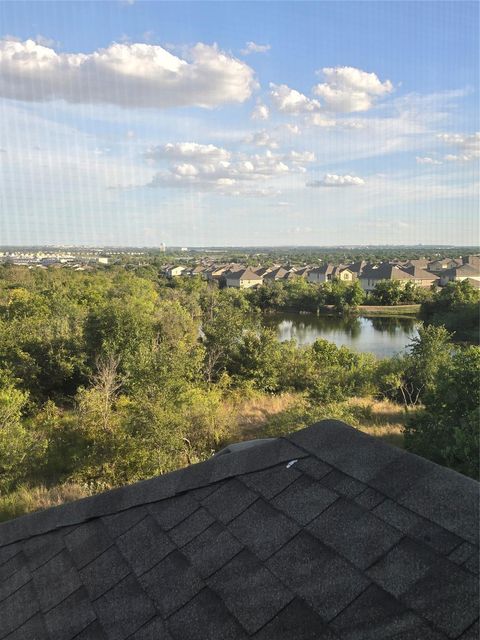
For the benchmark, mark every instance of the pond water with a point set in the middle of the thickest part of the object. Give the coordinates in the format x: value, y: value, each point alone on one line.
x: 382, y: 336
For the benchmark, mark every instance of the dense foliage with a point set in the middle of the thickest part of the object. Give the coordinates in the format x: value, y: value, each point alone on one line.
x: 114, y: 376
x: 457, y: 307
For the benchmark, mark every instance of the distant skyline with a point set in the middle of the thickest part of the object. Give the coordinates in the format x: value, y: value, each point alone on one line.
x: 132, y: 123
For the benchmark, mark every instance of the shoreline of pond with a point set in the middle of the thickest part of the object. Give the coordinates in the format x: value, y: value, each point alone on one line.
x: 398, y: 311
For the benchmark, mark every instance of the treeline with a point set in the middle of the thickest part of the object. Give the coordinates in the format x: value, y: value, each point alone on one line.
x: 455, y: 306
x: 111, y: 377
x: 298, y: 295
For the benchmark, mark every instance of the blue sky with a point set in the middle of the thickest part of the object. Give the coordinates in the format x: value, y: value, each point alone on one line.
x: 229, y: 123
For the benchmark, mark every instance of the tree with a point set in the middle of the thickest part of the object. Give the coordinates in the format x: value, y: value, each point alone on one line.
x: 447, y: 430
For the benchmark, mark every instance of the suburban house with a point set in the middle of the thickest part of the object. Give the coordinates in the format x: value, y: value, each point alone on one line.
x: 422, y: 277
x: 444, y: 264
x: 174, y: 270
x: 326, y: 533
x: 262, y: 271
x: 466, y: 271
x: 328, y: 272
x: 372, y: 274
x: 421, y: 263
x: 276, y: 274
x: 215, y: 272
x: 242, y: 279
x: 357, y: 267
x: 199, y: 270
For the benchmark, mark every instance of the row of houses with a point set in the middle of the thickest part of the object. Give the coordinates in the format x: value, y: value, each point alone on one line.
x: 419, y: 272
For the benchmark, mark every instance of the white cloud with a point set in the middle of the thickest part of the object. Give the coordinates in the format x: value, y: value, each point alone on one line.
x: 234, y: 174
x: 262, y: 139
x: 188, y: 151
x: 468, y: 146
x: 260, y: 112
x: 333, y: 180
x: 253, y: 47
x: 291, y: 101
x: 45, y: 41
x: 128, y: 75
x: 427, y: 160
x: 347, y: 89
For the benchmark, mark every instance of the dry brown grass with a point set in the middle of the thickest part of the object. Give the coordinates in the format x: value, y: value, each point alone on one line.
x: 26, y: 499
x: 254, y: 412
x: 380, y: 418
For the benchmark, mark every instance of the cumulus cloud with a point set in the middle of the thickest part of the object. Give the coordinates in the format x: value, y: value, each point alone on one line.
x: 291, y: 101
x: 333, y: 180
x: 128, y: 75
x: 262, y: 139
x: 260, y: 112
x: 253, y: 47
x: 228, y: 172
x: 188, y: 151
x: 347, y: 89
x: 467, y: 146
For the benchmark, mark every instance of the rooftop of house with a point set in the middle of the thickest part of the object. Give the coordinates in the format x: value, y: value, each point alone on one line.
x: 325, y: 534
x: 385, y: 271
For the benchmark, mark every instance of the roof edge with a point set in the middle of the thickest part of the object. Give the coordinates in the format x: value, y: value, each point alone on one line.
x: 215, y: 469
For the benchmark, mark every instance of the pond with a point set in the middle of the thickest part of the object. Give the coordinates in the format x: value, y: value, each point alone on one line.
x: 382, y: 336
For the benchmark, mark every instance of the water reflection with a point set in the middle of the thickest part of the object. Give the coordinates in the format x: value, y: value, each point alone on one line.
x: 382, y: 336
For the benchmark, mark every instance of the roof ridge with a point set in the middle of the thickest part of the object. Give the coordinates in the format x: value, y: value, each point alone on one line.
x: 400, y: 475
x: 168, y: 485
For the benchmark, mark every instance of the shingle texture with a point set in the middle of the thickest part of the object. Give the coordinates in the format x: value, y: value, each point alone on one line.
x: 327, y: 534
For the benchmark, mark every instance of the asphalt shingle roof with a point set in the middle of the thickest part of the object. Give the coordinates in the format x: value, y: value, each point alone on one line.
x: 327, y: 534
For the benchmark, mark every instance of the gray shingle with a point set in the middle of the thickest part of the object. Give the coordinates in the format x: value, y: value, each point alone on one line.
x: 9, y: 584
x: 462, y: 553
x: 124, y: 609
x: 33, y: 629
x: 70, y: 617
x: 229, y: 500
x: 402, y: 566
x: 118, y: 523
x: 55, y: 580
x: 172, y: 583
x: 304, y: 500
x: 417, y: 527
x: 93, y: 632
x: 343, y: 484
x: 369, y: 498
x: 318, y: 575
x: 343, y: 447
x: 355, y: 533
x: 144, y: 545
x: 213, y: 548
x: 17, y: 609
x: 87, y: 541
x: 251, y: 593
x: 375, y: 614
x: 169, y: 513
x: 205, y: 617
x: 263, y: 529
x: 448, y: 499
x: 400, y: 474
x: 104, y: 572
x: 269, y: 482
x: 8, y: 551
x: 447, y: 596
x: 153, y: 630
x: 40, y: 549
x: 297, y: 621
x: 313, y: 467
x: 191, y: 527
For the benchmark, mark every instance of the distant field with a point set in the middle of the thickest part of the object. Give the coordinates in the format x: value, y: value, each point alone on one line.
x: 397, y: 310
